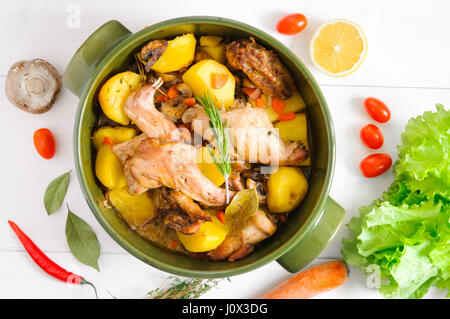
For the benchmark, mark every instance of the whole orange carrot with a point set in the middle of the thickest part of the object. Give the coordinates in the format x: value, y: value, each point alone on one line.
x: 311, y: 282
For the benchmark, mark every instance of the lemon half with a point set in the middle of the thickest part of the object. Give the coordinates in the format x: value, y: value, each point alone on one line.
x: 338, y: 47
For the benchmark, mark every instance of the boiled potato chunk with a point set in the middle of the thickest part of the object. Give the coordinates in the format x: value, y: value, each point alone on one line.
x: 109, y: 169
x: 295, y: 103
x: 273, y: 116
x: 198, y: 77
x: 208, y: 237
x: 286, y: 189
x: 135, y: 209
x: 210, y: 40
x: 115, y: 92
x: 207, y: 166
x: 216, y: 52
x: 295, y: 130
x: 179, y: 53
x: 116, y: 134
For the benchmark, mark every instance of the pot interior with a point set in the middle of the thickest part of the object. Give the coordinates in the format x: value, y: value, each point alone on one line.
x: 321, y: 139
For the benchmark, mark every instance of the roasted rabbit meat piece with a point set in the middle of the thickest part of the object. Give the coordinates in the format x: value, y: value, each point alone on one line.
x: 141, y: 109
x: 188, y: 205
x: 172, y: 165
x: 262, y: 66
x: 253, y: 137
x: 259, y: 227
x: 177, y: 211
x: 127, y: 149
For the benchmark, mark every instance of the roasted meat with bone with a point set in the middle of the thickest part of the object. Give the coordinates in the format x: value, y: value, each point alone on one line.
x: 177, y: 211
x: 140, y: 108
x: 172, y: 165
x: 259, y: 226
x: 160, y: 158
x: 262, y: 67
x: 253, y: 137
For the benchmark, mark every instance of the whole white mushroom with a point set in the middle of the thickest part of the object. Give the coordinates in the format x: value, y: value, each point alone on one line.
x: 33, y: 85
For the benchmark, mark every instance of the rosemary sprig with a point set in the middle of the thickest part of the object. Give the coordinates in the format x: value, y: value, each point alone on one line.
x: 222, y: 161
x: 188, y: 289
x: 140, y: 67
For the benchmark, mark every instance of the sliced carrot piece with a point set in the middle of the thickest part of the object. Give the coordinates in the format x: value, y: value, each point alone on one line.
x: 311, y: 282
x: 190, y: 101
x: 162, y: 98
x: 107, y: 140
x: 173, y: 92
x: 253, y: 93
x: 221, y: 216
x: 173, y: 244
x: 185, y: 125
x: 218, y: 80
x: 286, y: 116
x: 259, y: 102
x: 278, y: 105
x: 249, y: 91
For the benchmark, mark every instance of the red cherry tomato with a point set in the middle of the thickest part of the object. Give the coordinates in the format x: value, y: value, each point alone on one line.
x: 371, y: 136
x: 376, y: 164
x: 292, y: 24
x: 44, y: 142
x: 377, y: 110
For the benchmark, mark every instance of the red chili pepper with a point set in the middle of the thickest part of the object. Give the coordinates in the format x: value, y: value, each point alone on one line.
x: 46, y: 264
x: 221, y: 216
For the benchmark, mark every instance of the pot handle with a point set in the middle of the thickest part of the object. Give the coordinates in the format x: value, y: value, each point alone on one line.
x: 91, y: 52
x: 323, y: 232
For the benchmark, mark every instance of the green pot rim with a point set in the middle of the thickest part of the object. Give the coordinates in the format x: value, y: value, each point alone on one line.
x: 287, y: 245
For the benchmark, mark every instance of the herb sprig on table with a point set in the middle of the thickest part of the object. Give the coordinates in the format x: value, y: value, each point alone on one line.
x: 187, y: 289
x: 222, y: 160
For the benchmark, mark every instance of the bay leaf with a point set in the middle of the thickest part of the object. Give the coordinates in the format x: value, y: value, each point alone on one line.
x: 82, y: 241
x: 56, y: 192
x: 243, y: 205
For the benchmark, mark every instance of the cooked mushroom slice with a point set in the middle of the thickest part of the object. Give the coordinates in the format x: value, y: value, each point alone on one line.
x: 190, y: 113
x: 33, y: 85
x: 173, y: 109
x: 260, y: 189
x: 184, y: 89
x: 152, y: 51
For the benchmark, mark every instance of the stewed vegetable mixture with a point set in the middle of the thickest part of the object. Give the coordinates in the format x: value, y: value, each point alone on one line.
x: 202, y: 146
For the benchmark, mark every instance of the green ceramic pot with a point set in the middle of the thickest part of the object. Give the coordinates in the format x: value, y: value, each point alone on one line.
x: 295, y: 244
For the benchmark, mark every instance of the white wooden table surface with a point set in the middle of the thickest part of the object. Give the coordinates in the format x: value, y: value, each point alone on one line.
x: 407, y: 66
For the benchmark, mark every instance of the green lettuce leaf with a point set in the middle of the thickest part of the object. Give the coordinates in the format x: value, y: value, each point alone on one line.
x: 406, y: 233
x: 424, y: 156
